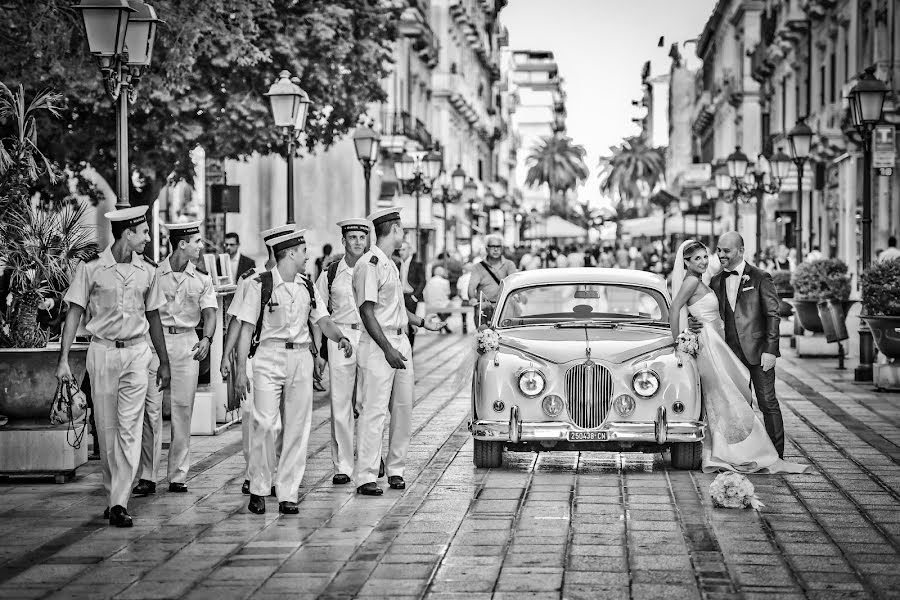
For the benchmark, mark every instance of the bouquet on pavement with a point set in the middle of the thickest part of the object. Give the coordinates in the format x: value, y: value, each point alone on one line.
x: 688, y: 342
x: 733, y: 490
x: 488, y: 339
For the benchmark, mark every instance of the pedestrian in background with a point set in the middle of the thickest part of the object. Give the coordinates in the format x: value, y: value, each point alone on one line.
x: 437, y: 294
x: 412, y: 277
x: 240, y: 264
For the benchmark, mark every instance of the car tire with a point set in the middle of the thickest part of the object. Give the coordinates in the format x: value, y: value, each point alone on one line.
x: 488, y: 455
x: 687, y: 456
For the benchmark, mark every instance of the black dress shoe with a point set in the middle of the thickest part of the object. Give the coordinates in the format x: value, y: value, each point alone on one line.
x: 396, y: 482
x: 119, y: 517
x: 106, y: 513
x: 245, y: 489
x: 288, y: 508
x: 257, y: 505
x: 369, y: 489
x: 144, y: 487
x: 381, y: 469
x: 178, y: 488
x: 272, y: 492
x: 340, y: 479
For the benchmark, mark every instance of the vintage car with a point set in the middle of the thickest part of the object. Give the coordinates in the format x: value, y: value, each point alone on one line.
x: 583, y: 359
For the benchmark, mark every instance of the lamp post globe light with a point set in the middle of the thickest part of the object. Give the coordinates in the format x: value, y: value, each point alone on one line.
x: 121, y: 35
x: 866, y: 105
x: 290, y: 105
x: 799, y: 142
x: 367, y: 144
x: 418, y: 171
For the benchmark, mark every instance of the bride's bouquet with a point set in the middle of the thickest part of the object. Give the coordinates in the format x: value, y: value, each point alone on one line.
x: 688, y: 342
x: 733, y: 490
x: 487, y: 339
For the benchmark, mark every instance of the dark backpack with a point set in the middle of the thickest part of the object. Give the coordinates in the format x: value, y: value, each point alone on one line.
x: 332, y: 274
x: 265, y: 296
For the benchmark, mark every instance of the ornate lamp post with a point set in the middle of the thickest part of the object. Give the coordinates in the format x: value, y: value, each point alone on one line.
x: 470, y: 195
x: 450, y: 187
x: 367, y: 143
x: 866, y: 105
x: 800, y: 140
x: 712, y: 194
x: 696, y: 202
x: 418, y: 171
x: 290, y: 105
x: 121, y: 34
x: 764, y: 178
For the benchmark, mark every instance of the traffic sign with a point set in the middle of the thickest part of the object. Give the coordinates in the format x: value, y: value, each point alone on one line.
x: 884, y: 147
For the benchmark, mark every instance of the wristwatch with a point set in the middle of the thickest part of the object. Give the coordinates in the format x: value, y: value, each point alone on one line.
x: 207, y: 337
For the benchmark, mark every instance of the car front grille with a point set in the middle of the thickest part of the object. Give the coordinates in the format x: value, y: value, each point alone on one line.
x: 588, y: 394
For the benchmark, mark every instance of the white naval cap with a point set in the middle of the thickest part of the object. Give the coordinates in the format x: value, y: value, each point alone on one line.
x: 268, y: 234
x: 383, y: 215
x: 128, y: 217
x: 288, y: 240
x: 348, y: 225
x: 181, y: 230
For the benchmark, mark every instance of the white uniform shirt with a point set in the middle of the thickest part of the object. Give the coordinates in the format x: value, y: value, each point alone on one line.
x: 377, y: 280
x: 733, y: 284
x: 341, y: 301
x: 241, y: 290
x: 289, y: 309
x: 187, y: 294
x: 116, y: 296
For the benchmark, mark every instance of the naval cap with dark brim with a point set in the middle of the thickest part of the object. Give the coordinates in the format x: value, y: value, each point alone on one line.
x: 124, y: 218
x: 384, y: 215
x: 180, y: 230
x: 286, y: 241
x: 351, y: 225
x: 275, y: 232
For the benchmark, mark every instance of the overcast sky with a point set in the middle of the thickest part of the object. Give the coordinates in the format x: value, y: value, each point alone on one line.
x: 600, y: 46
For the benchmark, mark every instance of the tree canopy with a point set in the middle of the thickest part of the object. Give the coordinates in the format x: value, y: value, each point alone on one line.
x: 558, y: 163
x: 212, y: 63
x: 632, y: 170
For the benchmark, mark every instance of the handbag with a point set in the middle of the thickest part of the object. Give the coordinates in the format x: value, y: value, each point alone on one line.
x: 68, y: 407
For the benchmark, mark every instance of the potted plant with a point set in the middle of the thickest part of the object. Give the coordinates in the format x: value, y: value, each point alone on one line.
x: 782, y: 281
x: 813, y: 282
x: 40, y: 243
x: 881, y: 306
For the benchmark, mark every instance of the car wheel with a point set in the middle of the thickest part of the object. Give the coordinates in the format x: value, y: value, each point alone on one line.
x: 687, y: 456
x: 488, y: 455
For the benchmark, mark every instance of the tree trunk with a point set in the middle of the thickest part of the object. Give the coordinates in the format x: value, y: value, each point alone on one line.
x: 26, y: 331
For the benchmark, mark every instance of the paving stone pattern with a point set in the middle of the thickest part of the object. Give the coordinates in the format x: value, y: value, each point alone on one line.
x: 554, y: 525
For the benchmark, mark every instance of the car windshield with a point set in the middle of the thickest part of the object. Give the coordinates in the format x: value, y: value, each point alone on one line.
x: 562, y: 303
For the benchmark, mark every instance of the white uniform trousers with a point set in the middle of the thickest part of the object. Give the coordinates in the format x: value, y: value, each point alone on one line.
x: 282, y: 388
x: 119, y: 379
x: 247, y: 418
x: 342, y: 371
x: 383, y: 389
x: 184, y: 370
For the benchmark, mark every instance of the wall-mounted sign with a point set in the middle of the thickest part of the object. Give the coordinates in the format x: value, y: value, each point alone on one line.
x: 884, y: 147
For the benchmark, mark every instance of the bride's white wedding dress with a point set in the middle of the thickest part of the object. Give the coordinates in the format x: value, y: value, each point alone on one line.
x: 736, y: 439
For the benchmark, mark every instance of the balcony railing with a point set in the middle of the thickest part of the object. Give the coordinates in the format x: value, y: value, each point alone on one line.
x: 402, y: 124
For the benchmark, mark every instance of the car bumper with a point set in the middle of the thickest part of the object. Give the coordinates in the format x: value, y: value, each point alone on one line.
x: 659, y: 431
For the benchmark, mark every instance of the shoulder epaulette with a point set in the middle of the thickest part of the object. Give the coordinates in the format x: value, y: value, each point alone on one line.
x: 247, y: 273
x: 147, y: 260
x: 202, y: 270
x: 91, y: 257
x: 374, y: 260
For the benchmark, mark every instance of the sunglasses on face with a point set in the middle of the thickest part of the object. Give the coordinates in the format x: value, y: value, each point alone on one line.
x: 495, y: 247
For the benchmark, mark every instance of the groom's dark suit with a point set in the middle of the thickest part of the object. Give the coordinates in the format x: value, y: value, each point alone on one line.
x: 751, y: 329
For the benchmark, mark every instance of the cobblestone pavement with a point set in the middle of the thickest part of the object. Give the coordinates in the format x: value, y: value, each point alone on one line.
x: 590, y: 525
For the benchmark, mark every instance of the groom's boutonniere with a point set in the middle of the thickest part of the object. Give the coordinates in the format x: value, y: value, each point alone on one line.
x: 745, y: 278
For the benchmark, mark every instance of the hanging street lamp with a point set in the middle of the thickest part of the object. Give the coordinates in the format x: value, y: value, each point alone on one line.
x: 290, y: 106
x: 367, y: 144
x: 800, y: 141
x: 121, y: 35
x: 866, y: 106
x: 418, y: 171
x: 450, y: 187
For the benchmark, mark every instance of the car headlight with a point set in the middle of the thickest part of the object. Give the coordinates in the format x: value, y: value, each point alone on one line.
x: 552, y: 405
x: 624, y: 404
x: 645, y: 383
x: 531, y: 382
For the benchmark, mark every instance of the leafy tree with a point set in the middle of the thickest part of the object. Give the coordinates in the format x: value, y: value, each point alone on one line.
x: 556, y: 162
x: 212, y: 63
x: 631, y: 171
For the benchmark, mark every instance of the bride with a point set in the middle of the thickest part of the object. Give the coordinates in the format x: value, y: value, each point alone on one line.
x: 736, y: 439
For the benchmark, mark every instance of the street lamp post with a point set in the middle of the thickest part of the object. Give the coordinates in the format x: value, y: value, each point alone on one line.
x: 764, y: 178
x: 367, y: 143
x: 418, y: 171
x: 290, y: 105
x: 470, y: 194
x: 120, y: 34
x: 800, y: 140
x: 451, y: 187
x: 712, y: 194
x: 866, y: 105
x: 696, y: 201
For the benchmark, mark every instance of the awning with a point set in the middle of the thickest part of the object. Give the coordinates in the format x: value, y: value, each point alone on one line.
x: 652, y: 226
x: 555, y: 227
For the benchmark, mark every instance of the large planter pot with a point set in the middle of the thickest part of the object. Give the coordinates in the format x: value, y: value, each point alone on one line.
x: 833, y: 316
x: 28, y: 379
x: 784, y: 308
x: 807, y: 312
x: 886, y: 333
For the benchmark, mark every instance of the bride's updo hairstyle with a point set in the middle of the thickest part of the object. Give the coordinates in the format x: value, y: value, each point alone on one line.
x: 691, y: 248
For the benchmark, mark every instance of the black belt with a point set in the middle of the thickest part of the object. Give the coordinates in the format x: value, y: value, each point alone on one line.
x: 297, y: 345
x: 177, y: 330
x: 355, y: 326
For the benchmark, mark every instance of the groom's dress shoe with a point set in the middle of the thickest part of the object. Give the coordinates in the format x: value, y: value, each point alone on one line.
x: 119, y: 517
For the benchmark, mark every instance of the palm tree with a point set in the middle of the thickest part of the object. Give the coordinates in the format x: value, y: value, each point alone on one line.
x: 558, y: 163
x: 632, y: 170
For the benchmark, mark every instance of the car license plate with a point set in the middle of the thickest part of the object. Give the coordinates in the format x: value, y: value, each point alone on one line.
x: 587, y: 436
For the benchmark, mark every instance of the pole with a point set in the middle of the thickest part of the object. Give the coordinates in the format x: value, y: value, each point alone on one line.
x: 798, y: 227
x: 290, y: 180
x: 471, y: 229
x: 697, y: 223
x: 712, y: 221
x: 759, y: 216
x: 866, y: 349
x: 122, y: 149
x: 737, y: 212
x: 444, y: 203
x: 416, y: 185
x: 367, y: 173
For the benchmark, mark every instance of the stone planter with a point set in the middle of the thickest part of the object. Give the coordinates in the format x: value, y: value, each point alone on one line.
x: 28, y: 379
x: 886, y: 333
x: 807, y: 312
x: 784, y: 308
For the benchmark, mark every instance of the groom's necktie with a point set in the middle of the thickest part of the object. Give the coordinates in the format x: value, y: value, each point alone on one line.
x: 729, y: 273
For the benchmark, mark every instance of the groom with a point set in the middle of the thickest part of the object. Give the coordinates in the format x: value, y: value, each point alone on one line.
x: 748, y: 304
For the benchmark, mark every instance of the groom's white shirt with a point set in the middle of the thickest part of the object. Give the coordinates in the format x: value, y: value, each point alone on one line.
x: 732, y: 284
